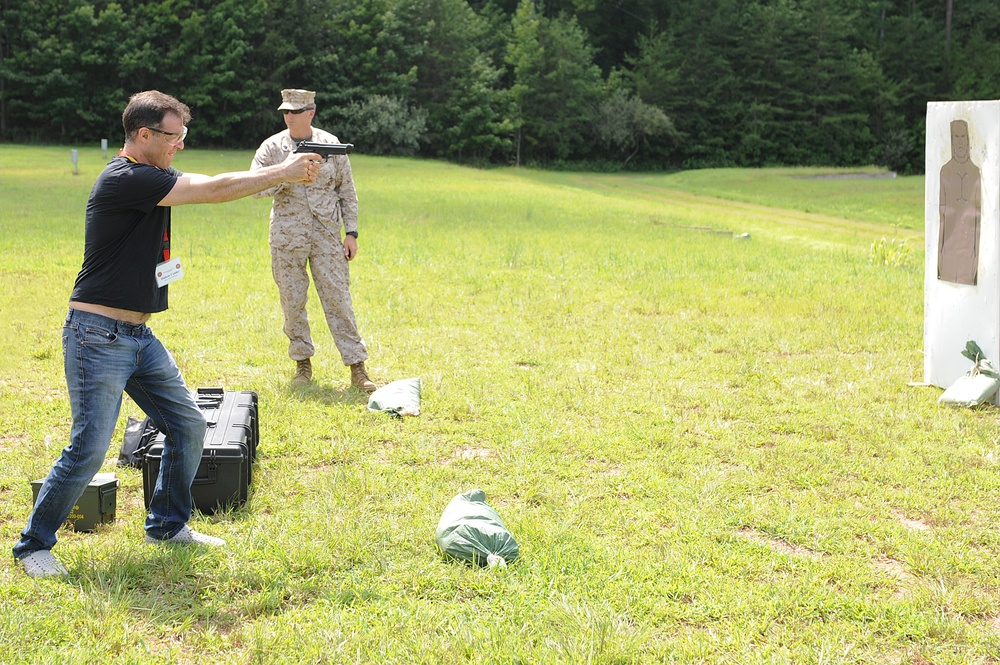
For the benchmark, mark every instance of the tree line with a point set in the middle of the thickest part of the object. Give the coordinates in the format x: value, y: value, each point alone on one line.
x: 639, y: 84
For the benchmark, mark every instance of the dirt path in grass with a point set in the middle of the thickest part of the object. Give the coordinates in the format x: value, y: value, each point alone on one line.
x: 726, y: 215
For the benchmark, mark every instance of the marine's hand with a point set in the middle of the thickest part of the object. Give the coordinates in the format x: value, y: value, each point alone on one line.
x: 350, y: 247
x: 302, y: 167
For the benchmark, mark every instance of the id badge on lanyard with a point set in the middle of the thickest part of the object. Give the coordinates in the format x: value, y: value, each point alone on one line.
x: 168, y: 270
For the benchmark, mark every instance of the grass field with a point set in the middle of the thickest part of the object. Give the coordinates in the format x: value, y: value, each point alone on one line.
x: 704, y: 442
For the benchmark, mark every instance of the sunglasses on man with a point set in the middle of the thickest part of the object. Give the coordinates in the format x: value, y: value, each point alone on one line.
x: 298, y: 111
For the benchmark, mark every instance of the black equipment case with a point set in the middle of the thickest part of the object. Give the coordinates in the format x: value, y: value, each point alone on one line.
x: 226, y: 469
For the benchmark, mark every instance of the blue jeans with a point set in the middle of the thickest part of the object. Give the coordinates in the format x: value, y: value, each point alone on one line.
x: 103, y: 358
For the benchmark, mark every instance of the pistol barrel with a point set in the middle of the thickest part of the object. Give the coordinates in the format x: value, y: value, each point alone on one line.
x: 325, y: 149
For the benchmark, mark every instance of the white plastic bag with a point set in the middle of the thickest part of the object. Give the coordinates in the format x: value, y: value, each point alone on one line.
x: 399, y: 398
x: 970, y: 390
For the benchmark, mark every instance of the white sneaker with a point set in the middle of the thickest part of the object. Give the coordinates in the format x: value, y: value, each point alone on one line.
x: 41, y: 563
x: 188, y: 536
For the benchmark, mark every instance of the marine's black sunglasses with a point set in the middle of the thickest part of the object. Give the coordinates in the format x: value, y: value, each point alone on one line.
x: 297, y: 111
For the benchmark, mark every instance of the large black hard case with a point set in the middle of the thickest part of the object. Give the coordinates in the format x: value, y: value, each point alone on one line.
x: 231, y: 440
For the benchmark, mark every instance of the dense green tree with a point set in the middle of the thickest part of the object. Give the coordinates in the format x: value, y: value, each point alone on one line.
x: 458, y: 84
x: 740, y: 82
x: 755, y: 83
x: 371, y: 51
x: 205, y: 69
x: 624, y: 123
x: 912, y: 55
x: 612, y: 25
x: 382, y: 125
x: 975, y: 49
x: 480, y: 115
x: 557, y: 86
x: 366, y: 93
x: 687, y: 71
x: 820, y: 88
x: 41, y: 66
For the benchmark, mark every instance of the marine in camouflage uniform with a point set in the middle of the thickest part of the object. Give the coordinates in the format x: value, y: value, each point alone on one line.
x: 305, y: 229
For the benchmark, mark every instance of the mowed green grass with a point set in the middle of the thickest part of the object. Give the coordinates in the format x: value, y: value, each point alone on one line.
x: 705, y: 445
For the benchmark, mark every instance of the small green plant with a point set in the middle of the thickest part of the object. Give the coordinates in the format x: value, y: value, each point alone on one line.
x: 889, y: 253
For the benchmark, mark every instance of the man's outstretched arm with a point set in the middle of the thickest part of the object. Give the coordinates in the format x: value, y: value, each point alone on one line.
x: 197, y: 188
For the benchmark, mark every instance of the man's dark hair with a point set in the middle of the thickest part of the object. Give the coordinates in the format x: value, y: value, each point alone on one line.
x: 146, y: 109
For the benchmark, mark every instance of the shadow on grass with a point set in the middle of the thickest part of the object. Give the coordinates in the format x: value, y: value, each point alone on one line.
x: 327, y: 393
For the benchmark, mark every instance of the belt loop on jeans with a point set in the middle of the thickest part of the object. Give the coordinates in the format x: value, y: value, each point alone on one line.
x: 131, y: 329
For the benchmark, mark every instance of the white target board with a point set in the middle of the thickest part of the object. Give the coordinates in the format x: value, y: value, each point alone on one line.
x: 962, y: 236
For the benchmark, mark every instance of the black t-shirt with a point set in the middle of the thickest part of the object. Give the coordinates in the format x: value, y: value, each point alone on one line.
x: 125, y: 237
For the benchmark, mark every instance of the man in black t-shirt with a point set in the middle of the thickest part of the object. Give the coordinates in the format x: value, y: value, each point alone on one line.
x: 108, y: 349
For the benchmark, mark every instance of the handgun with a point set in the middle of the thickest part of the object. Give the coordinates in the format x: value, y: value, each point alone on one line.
x: 324, y: 150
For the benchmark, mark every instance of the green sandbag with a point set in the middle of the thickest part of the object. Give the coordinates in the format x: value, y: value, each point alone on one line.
x: 471, y: 531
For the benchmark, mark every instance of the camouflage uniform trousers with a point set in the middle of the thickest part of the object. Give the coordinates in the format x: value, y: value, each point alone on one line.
x: 296, y: 243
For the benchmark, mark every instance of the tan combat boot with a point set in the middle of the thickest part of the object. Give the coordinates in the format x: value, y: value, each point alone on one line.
x: 303, y: 371
x: 359, y: 378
